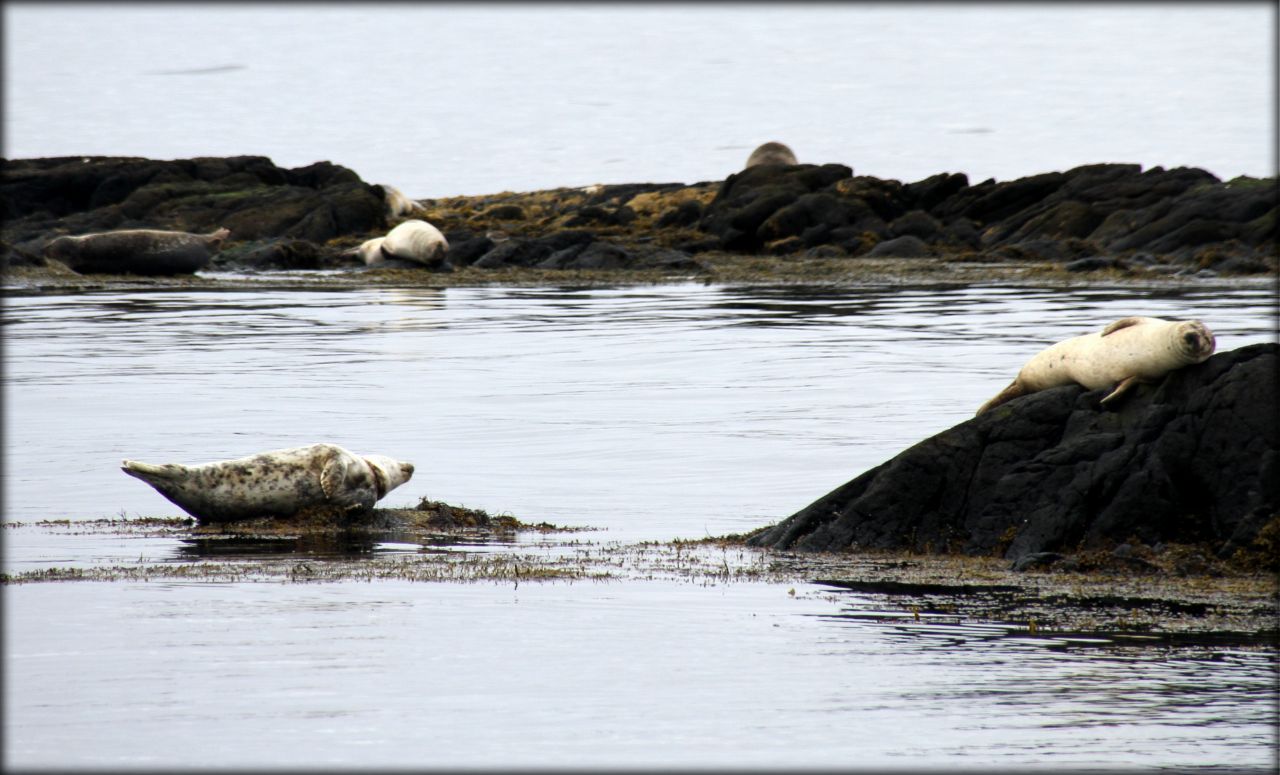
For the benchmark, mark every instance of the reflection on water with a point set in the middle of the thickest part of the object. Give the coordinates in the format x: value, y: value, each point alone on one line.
x: 653, y: 413
x: 345, y: 545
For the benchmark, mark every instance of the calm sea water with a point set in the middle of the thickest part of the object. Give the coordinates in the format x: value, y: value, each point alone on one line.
x: 651, y: 413
x: 442, y: 99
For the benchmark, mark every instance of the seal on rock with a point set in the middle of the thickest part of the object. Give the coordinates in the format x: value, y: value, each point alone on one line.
x: 137, y: 251
x: 1125, y: 353
x: 370, y: 251
x: 280, y: 483
x: 771, y: 153
x: 397, y: 203
x: 412, y: 240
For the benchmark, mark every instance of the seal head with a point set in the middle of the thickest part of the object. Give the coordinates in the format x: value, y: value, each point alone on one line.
x: 771, y: 153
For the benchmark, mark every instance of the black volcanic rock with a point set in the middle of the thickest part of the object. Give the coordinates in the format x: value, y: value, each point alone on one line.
x: 1194, y: 458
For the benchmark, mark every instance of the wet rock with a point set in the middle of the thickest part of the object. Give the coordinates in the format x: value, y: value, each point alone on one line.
x: 1193, y: 459
x: 748, y: 198
x: 670, y: 260
x: 694, y: 246
x: 1036, y: 560
x: 1241, y: 265
x: 560, y: 259
x: 986, y: 204
x: 249, y: 195
x: 683, y: 214
x: 1060, y: 221
x: 465, y: 252
x: 826, y: 251
x: 936, y: 189
x: 916, y: 223
x: 963, y: 232
x: 18, y: 255
x: 599, y: 255
x: 1094, y: 264
x: 513, y: 252
x: 1101, y: 210
x: 276, y: 254
x: 785, y: 247
x: 852, y: 239
x: 821, y: 211
x: 507, y: 212
x: 567, y: 238
x: 601, y: 216
x: 901, y: 247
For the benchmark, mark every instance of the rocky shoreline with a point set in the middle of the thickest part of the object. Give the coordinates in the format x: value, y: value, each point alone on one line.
x: 771, y: 223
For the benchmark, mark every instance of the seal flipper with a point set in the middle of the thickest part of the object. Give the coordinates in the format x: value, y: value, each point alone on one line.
x: 1126, y: 384
x: 1121, y: 323
x: 1014, y: 390
x: 333, y: 475
x: 151, y: 474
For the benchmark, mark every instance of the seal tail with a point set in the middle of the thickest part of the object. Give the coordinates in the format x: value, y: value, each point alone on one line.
x: 149, y: 473
x: 1008, y: 394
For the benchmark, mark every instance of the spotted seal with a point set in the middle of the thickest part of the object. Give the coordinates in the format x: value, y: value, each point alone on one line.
x: 281, y: 483
x: 1125, y: 353
x: 137, y: 251
x: 771, y: 153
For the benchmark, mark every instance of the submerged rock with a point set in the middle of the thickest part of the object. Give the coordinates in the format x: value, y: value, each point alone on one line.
x: 1192, y: 459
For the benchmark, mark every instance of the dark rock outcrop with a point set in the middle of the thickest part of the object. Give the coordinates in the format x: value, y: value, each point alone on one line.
x: 1180, y: 220
x: 747, y: 199
x: 1192, y: 459
x: 1104, y: 209
x: 43, y: 198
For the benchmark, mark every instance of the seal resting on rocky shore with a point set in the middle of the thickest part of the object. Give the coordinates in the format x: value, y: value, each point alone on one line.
x: 771, y: 153
x: 281, y: 483
x: 397, y: 203
x: 137, y: 251
x: 412, y: 240
x: 1128, y: 351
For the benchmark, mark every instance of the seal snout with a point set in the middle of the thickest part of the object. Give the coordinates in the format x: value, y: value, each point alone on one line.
x: 1198, y: 341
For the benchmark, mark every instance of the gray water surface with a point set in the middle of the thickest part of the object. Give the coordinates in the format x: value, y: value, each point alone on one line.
x: 650, y: 413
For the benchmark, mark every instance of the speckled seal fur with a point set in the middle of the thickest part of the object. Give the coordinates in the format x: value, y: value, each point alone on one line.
x: 280, y: 483
x: 1127, y: 352
x: 137, y: 251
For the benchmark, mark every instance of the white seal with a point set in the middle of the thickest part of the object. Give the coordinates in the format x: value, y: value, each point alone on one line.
x: 417, y: 241
x: 281, y: 483
x: 771, y: 153
x: 1125, y: 353
x: 370, y: 251
x: 397, y: 203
